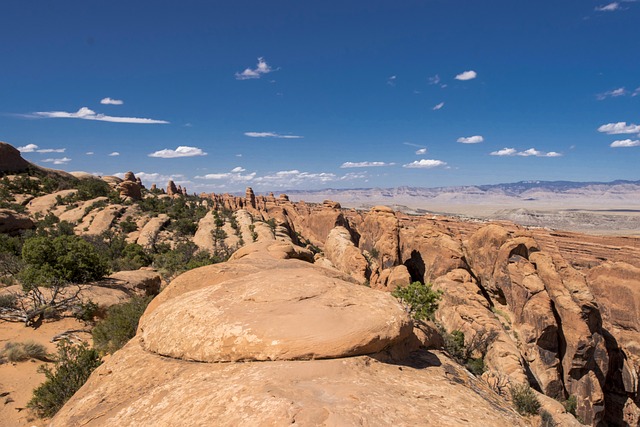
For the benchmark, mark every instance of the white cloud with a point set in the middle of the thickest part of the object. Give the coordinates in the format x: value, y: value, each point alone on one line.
x: 233, y: 177
x: 425, y: 164
x: 636, y: 92
x: 110, y: 101
x: 619, y: 128
x: 294, y: 177
x: 271, y: 135
x: 625, y: 143
x: 438, y: 106
x: 364, y: 164
x: 475, y: 139
x: 89, y: 153
x: 391, y: 81
x: 114, y: 154
x: 612, y: 93
x: 51, y: 150
x: 255, y: 73
x: 434, y: 80
x: 505, y: 152
x: 33, y: 148
x: 608, y: 7
x: 29, y: 148
x: 238, y: 169
x: 531, y: 152
x: 157, y: 178
x: 85, y: 113
x: 467, y: 75
x: 421, y: 151
x: 181, y: 151
x: 62, y: 161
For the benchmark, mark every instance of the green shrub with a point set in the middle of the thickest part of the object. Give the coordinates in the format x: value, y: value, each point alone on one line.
x: 469, y: 353
x: 571, y: 405
x: 119, y: 325
x: 8, y: 300
x: 19, y: 352
x: 475, y: 365
x: 73, y: 366
x: 61, y: 259
x: 546, y: 419
x: 420, y: 300
x: 127, y: 225
x: 525, y: 400
x: 454, y: 345
x: 86, y: 311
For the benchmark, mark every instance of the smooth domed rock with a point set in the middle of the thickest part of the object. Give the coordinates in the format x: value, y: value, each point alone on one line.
x: 12, y: 222
x: 289, y: 315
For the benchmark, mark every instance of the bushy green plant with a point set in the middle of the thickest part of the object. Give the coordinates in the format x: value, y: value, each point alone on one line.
x: 119, y: 325
x: 86, y: 311
x: 524, y: 399
x: 469, y: 353
x: 21, y: 351
x: 546, y: 419
x: 127, y: 225
x: 420, y: 300
x: 8, y: 300
x: 72, y: 368
x: 61, y: 259
x: 571, y: 405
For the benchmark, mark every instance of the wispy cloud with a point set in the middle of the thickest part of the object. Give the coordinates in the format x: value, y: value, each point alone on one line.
x: 391, y: 81
x: 467, y: 75
x: 434, y: 80
x: 531, y: 152
x: 232, y: 177
x: 625, y: 143
x: 271, y: 135
x: 425, y: 164
x: 62, y: 161
x: 438, y: 106
x: 636, y: 92
x: 85, y: 113
x: 364, y: 164
x: 89, y: 153
x: 111, y: 101
x: 608, y: 7
x: 421, y: 151
x: 612, y: 93
x: 158, y: 178
x: 181, y: 151
x: 505, y: 152
x: 114, y: 154
x: 255, y: 73
x: 619, y: 128
x: 238, y: 169
x: 475, y: 139
x: 33, y: 148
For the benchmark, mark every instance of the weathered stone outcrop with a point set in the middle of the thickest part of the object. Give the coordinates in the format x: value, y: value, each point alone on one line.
x: 379, y: 235
x: 341, y: 251
x: 130, y: 187
x: 292, y: 310
x: 13, y: 222
x: 11, y: 160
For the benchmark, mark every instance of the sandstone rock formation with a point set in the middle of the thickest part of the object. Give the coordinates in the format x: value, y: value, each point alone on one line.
x: 13, y: 222
x: 341, y: 251
x: 11, y: 160
x: 310, y: 313
x: 172, y: 190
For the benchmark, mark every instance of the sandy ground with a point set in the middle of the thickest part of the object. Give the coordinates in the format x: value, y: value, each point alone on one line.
x: 19, y: 379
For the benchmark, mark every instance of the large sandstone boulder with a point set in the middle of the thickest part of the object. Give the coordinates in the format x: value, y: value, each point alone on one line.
x: 379, y: 235
x: 12, y: 222
x: 140, y: 282
x: 344, y: 255
x: 267, y: 316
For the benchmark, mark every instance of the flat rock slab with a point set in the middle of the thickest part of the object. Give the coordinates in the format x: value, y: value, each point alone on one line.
x: 288, y: 314
x: 136, y: 388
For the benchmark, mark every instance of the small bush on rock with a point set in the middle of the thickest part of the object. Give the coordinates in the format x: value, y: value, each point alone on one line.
x: 525, y: 400
x: 119, y: 325
x: 420, y: 300
x: 73, y: 366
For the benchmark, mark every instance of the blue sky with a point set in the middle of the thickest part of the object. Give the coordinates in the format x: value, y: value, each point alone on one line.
x: 299, y: 95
